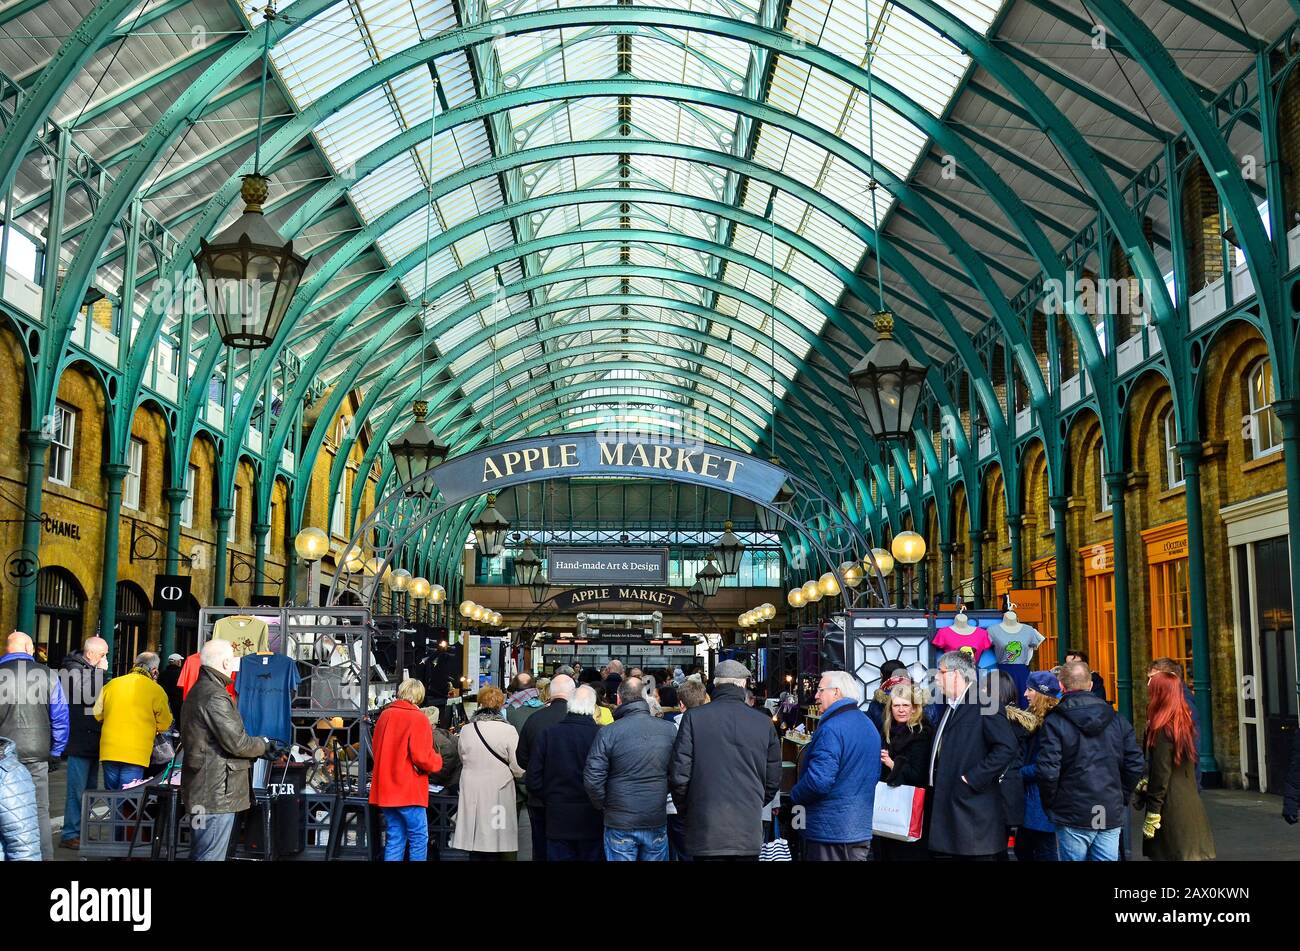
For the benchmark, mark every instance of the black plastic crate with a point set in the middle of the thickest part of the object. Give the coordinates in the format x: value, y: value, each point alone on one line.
x: 123, y: 823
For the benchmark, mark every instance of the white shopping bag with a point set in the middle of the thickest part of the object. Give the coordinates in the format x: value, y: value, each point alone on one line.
x: 898, y: 812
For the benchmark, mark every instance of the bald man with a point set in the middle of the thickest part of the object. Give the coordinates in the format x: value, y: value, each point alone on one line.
x: 83, y: 676
x: 34, y: 714
x: 562, y: 687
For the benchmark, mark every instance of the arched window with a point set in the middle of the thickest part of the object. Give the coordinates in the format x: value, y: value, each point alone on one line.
x: 60, y: 613
x: 1173, y: 461
x: 131, y: 633
x: 1265, y: 428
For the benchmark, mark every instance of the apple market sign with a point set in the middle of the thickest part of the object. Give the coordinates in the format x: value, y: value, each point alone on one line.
x: 530, y: 460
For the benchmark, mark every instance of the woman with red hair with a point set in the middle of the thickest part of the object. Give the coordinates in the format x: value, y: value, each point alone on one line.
x: 1176, y: 827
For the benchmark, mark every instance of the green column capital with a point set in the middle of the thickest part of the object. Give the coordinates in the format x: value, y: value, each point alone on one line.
x: 1190, y: 450
x: 116, y: 471
x: 175, y: 495
x: 35, y: 439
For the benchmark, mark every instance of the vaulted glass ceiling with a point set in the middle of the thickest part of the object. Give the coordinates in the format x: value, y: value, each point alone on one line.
x: 698, y: 357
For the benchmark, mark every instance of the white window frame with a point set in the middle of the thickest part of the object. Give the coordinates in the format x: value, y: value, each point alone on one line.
x: 338, y: 522
x: 1262, y: 417
x: 1103, y: 495
x: 266, y: 539
x: 1174, y: 475
x: 187, y: 507
x: 232, y: 526
x: 134, y: 474
x: 63, y: 441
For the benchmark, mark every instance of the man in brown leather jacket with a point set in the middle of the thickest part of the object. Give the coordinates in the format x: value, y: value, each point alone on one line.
x: 217, y: 755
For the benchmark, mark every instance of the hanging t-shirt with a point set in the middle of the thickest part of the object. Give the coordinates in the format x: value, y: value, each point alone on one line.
x: 1015, y: 647
x: 190, y: 676
x: 267, y: 684
x: 247, y: 634
x: 972, y: 644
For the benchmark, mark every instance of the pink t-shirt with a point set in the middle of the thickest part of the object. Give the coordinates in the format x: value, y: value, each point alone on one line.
x: 974, y: 643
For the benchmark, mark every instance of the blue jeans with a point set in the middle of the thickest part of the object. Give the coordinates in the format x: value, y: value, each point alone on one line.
x: 117, y: 775
x: 636, y: 845
x: 403, y: 826
x: 83, y: 774
x: 1092, y: 845
x: 573, y: 850
x: 210, y: 836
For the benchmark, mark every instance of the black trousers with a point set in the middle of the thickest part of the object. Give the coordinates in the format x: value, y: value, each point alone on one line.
x: 836, y: 851
x: 537, y: 822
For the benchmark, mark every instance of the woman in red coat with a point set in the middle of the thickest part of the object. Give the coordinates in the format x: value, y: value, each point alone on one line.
x: 404, y: 757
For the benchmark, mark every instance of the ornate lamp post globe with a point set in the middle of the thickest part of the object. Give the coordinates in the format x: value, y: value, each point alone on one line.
x: 888, y: 383
x: 354, y: 564
x: 467, y: 608
x: 828, y: 584
x: 710, y: 578
x: 398, y: 580
x: 908, y: 548
x: 527, y: 565
x: 884, y: 566
x: 478, y: 612
x: 415, y: 452
x: 795, y: 598
x: 769, y: 611
x: 811, y: 592
x: 852, y: 573
x: 437, y: 593
x: 490, y: 529
x: 311, y: 544
x: 249, y: 274
x: 418, y: 588
x: 729, y: 549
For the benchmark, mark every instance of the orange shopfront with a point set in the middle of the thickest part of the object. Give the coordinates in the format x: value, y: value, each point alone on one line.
x: 1099, y: 612
x: 1171, y: 624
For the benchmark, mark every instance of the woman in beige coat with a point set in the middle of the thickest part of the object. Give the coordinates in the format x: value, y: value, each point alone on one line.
x: 487, y: 822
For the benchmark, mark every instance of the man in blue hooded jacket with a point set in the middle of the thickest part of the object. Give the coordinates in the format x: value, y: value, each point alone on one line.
x: 838, y: 775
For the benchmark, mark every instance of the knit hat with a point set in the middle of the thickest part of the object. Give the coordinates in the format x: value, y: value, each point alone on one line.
x: 731, y: 670
x: 1045, y: 683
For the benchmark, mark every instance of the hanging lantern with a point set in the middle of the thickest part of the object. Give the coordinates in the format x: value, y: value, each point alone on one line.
x: 695, y: 591
x: 888, y: 383
x: 908, y: 548
x: 884, y: 565
x: 398, y: 580
x: 709, y: 578
x: 249, y: 274
x: 527, y: 564
x: 437, y: 593
x: 729, y: 549
x: 538, y: 588
x: 769, y: 521
x: 795, y: 598
x: 415, y: 452
x: 852, y: 573
x: 811, y: 592
x: 490, y: 529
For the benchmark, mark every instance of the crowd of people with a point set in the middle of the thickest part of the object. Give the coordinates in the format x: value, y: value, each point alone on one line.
x: 630, y: 765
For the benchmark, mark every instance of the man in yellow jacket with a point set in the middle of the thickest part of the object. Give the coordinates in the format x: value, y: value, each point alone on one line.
x: 133, y: 709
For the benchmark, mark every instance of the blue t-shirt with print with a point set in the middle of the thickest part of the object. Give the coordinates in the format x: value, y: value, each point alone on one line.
x: 266, y: 685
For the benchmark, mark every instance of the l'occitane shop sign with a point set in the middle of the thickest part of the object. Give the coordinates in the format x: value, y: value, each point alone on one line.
x: 528, y: 460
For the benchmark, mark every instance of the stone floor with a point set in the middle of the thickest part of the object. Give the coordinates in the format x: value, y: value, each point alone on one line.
x: 1247, y: 825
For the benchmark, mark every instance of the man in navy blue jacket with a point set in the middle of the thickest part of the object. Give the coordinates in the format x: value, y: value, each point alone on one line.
x: 838, y: 775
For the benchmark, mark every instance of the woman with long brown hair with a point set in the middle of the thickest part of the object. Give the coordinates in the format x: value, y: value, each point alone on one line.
x: 1176, y: 827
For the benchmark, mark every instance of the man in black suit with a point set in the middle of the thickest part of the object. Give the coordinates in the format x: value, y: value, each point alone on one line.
x: 973, y: 746
x: 562, y: 687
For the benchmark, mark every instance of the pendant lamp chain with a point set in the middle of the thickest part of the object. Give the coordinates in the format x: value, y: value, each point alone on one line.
x: 268, y: 17
x: 871, y: 148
